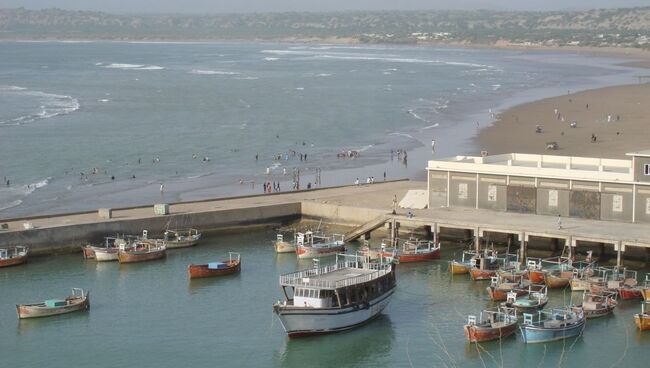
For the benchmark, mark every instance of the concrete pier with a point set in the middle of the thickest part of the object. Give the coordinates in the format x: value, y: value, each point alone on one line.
x: 348, y: 205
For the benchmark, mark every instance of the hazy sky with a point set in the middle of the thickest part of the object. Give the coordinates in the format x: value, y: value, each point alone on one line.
x: 221, y: 6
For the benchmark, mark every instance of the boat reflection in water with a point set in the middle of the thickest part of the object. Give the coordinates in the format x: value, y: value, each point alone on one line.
x: 368, y: 346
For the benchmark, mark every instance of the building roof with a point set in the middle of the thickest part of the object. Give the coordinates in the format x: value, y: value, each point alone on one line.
x: 642, y: 153
x: 547, y: 166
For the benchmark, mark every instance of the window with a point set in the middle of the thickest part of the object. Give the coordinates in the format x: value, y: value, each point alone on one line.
x: 462, y: 191
x: 492, y: 193
x: 552, y: 198
x: 617, y: 203
x: 646, y: 169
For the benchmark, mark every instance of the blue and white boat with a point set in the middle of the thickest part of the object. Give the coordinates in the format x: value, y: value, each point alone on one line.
x: 552, y: 325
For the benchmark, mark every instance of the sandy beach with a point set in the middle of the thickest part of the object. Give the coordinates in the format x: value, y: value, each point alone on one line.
x: 617, y: 116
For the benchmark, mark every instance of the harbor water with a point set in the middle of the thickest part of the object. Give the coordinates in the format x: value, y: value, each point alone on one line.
x: 151, y: 315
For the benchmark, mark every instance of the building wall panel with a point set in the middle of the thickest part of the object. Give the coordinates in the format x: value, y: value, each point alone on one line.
x: 462, y: 191
x: 552, y: 202
x: 639, y: 169
x: 616, y: 206
x: 492, y: 196
x: 584, y: 204
x: 521, y: 199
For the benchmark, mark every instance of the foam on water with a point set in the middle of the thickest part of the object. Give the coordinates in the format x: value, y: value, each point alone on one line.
x: 124, y: 66
x: 271, y: 59
x: 212, y: 72
x: 49, y: 105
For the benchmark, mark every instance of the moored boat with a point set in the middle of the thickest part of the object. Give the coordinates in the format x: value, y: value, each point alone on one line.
x: 598, y: 305
x: 558, y: 279
x: 642, y: 320
x: 310, y: 245
x: 552, y: 325
x: 13, y: 256
x: 105, y: 253
x: 645, y: 289
x: 79, y: 300
x: 414, y: 250
x: 181, y: 238
x: 463, y: 266
x: 335, y: 297
x: 535, y: 300
x: 282, y: 246
x: 499, y: 289
x: 141, y: 251
x: 226, y: 267
x: 493, y: 324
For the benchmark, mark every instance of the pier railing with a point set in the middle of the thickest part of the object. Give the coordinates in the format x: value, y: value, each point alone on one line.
x: 310, y: 277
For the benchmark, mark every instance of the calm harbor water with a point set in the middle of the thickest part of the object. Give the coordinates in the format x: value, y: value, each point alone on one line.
x: 138, y: 112
x: 150, y: 315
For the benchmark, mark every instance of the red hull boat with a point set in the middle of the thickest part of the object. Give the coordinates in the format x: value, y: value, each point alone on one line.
x: 227, y: 267
x: 630, y: 293
x: 493, y: 325
x: 478, y: 274
x: 537, y: 277
x: 501, y: 295
x: 419, y: 257
x: 13, y: 256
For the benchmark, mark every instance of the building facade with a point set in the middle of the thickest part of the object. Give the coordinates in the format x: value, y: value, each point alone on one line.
x: 582, y: 187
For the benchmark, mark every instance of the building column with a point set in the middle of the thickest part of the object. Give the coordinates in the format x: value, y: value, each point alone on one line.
x: 619, y: 246
x: 477, y: 239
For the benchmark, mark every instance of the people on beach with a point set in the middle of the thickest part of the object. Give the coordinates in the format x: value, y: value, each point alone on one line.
x: 162, y: 188
x: 559, y: 222
x: 356, y: 182
x: 433, y: 146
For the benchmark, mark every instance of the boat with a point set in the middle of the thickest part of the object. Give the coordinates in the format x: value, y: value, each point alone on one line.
x: 499, y: 288
x: 105, y: 253
x: 493, y: 324
x: 642, y: 320
x: 141, y: 251
x: 534, y: 301
x: 645, y: 289
x: 79, y: 300
x: 13, y: 256
x: 628, y: 290
x: 282, y: 246
x: 558, y: 279
x: 552, y: 325
x: 414, y: 250
x: 310, y: 245
x: 226, y: 267
x: 181, y: 238
x: 486, y: 264
x: 598, y: 305
x: 336, y: 297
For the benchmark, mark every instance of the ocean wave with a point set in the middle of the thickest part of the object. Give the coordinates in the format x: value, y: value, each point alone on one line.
x: 12, y: 204
x: 431, y: 126
x: 50, y: 105
x: 213, y: 72
x: 364, y: 148
x: 271, y: 59
x: 30, y: 188
x: 324, y: 75
x: 398, y: 134
x: 103, y: 100
x: 246, y: 78
x: 275, y: 165
x: 124, y: 66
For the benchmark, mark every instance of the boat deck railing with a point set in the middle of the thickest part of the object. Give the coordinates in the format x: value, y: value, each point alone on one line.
x: 311, y: 277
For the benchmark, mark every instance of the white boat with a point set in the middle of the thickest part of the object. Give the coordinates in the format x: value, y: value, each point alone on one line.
x: 310, y: 245
x: 105, y: 253
x: 282, y: 246
x: 181, y: 238
x: 335, y: 297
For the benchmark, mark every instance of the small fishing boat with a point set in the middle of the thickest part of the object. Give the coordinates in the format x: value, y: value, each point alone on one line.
x: 598, y: 305
x: 141, y: 251
x: 558, y: 279
x: 534, y: 301
x: 310, y: 245
x: 79, y: 300
x: 13, y: 256
x: 105, y: 253
x: 493, y: 324
x: 226, y: 267
x: 336, y: 297
x: 485, y: 265
x: 552, y: 325
x: 499, y: 289
x: 181, y: 238
x: 628, y: 290
x: 645, y: 289
x: 282, y: 246
x: 642, y: 320
x: 414, y: 250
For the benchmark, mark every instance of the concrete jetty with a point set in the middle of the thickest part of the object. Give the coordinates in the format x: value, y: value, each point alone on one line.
x: 347, y: 205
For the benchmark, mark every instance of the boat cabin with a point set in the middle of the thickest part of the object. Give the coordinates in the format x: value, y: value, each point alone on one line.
x: 316, y: 298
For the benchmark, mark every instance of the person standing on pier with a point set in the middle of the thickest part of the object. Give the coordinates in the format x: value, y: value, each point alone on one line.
x: 559, y: 222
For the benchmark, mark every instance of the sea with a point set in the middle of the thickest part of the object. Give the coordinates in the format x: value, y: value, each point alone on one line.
x: 85, y: 125
x: 151, y: 315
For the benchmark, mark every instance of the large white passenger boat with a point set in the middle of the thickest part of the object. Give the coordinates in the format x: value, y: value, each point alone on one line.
x: 335, y: 297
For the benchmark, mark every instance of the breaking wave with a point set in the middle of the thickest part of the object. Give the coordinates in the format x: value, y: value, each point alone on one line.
x: 49, y: 105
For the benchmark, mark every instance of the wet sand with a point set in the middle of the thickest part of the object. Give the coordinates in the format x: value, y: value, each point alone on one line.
x: 626, y: 107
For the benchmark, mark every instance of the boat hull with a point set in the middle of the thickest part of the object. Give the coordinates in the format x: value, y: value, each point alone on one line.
x: 201, y: 271
x: 521, y: 308
x: 135, y: 257
x: 630, y: 294
x: 419, y: 257
x: 106, y: 255
x: 284, y: 247
x: 298, y: 321
x: 537, y: 277
x: 478, y: 275
x: 475, y: 333
x: 534, y: 334
x: 458, y: 268
x: 15, y: 261
x: 317, y: 252
x: 642, y: 321
x: 645, y: 292
x: 88, y: 252
x: 27, y: 311
x: 554, y: 282
x: 500, y: 295
x: 579, y: 285
x: 600, y: 312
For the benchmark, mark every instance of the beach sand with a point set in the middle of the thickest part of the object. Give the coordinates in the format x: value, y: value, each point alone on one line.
x: 628, y: 130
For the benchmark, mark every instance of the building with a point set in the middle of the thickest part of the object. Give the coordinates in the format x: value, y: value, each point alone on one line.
x: 582, y: 187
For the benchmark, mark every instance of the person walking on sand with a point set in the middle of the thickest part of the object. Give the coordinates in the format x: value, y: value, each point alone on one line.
x: 559, y: 222
x: 356, y: 182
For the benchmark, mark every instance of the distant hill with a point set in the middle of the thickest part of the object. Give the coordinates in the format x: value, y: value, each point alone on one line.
x: 629, y: 27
